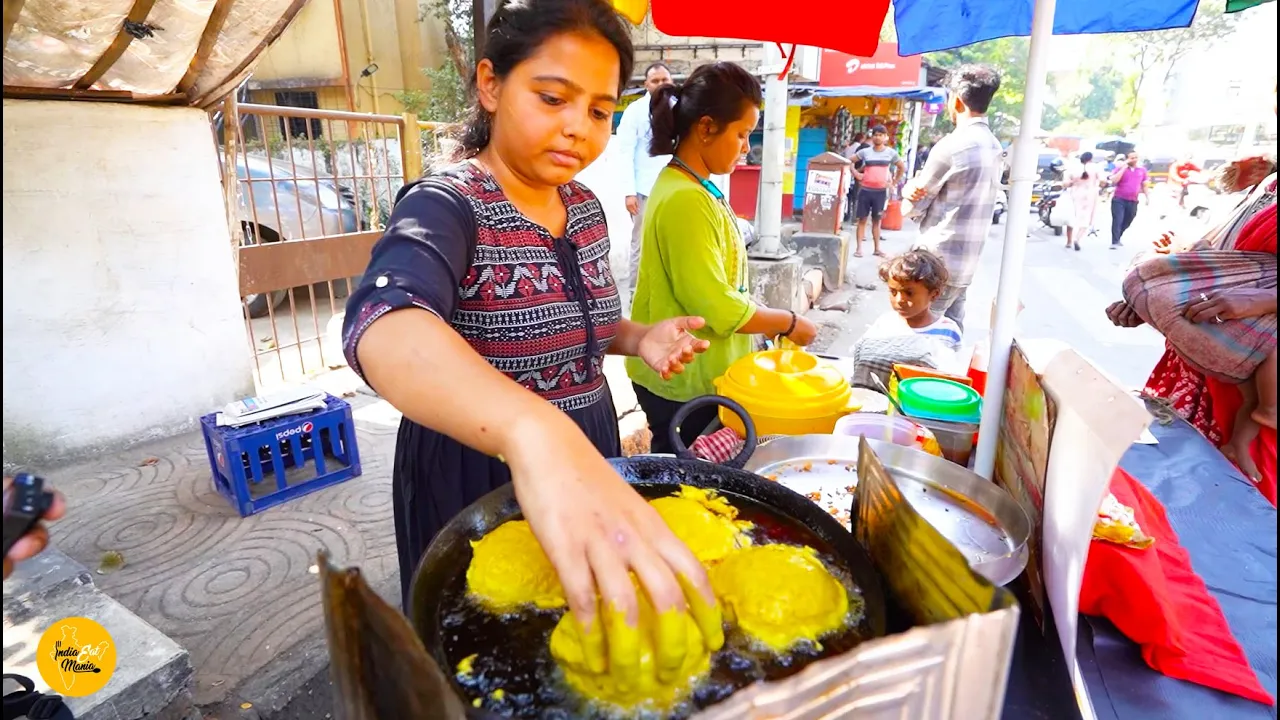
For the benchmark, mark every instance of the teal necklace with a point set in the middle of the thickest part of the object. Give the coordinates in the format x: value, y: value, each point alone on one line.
x: 715, y: 192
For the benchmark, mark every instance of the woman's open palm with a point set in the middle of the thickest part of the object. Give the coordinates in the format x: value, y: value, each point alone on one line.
x: 668, y: 346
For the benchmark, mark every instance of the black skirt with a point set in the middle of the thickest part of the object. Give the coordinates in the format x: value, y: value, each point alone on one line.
x: 436, y: 477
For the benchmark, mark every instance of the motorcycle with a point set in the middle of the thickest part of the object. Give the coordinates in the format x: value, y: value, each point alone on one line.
x: 1049, y: 193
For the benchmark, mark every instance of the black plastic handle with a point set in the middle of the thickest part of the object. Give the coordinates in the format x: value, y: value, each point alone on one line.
x: 698, y: 403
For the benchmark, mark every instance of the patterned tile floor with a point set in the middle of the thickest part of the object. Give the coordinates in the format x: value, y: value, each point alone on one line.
x: 236, y: 593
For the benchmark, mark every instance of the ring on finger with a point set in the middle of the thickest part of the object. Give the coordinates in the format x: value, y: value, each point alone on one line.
x: 1217, y: 319
x: 1204, y: 298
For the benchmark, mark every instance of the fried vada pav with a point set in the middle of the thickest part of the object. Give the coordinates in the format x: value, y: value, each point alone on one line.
x: 642, y: 686
x: 509, y: 569
x: 704, y: 521
x: 780, y: 595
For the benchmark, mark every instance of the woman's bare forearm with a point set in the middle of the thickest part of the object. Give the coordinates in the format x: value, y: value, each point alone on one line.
x: 420, y: 365
x: 627, y: 341
x: 767, y: 321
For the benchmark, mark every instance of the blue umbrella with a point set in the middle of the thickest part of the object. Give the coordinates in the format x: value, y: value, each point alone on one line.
x: 930, y: 25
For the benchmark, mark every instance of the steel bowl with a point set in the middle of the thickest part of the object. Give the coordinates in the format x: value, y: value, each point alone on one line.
x: 980, y: 518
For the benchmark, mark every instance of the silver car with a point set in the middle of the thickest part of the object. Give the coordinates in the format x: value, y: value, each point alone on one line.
x: 289, y: 204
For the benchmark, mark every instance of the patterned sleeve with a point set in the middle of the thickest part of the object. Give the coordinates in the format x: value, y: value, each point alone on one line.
x: 420, y: 261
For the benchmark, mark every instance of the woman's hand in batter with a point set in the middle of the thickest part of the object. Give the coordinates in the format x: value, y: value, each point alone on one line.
x: 1122, y: 315
x: 1235, y: 304
x: 668, y: 346
x: 599, y: 533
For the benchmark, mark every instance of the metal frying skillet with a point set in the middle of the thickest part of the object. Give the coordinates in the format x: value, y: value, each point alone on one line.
x: 450, y: 552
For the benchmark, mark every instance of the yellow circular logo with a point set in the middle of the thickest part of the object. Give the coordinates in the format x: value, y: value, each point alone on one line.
x: 76, y: 657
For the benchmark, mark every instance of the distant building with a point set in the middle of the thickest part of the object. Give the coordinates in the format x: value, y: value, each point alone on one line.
x: 1217, y: 103
x: 387, y: 42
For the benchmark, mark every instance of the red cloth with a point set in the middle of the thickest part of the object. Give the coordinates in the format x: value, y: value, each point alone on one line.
x: 720, y: 446
x: 1226, y: 403
x: 1158, y: 601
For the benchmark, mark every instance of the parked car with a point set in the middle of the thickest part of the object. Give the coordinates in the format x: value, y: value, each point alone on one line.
x: 288, y: 203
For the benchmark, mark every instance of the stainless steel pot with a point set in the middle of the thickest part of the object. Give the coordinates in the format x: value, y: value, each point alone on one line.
x: 981, y: 519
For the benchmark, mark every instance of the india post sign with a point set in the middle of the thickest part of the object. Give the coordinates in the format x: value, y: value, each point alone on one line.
x: 885, y: 69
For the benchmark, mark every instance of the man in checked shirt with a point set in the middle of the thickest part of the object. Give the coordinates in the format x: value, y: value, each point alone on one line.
x: 954, y: 197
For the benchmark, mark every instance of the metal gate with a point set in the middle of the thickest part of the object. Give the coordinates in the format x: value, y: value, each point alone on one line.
x: 313, y: 192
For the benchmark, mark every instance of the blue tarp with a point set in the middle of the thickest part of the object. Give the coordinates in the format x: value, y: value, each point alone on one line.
x: 921, y: 93
x: 931, y: 25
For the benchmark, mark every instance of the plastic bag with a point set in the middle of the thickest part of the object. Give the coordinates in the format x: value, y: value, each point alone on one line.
x: 1064, y: 211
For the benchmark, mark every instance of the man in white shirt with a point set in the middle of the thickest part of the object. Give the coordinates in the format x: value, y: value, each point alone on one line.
x: 639, y: 170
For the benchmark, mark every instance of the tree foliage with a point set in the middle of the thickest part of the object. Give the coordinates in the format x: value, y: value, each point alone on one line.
x: 1009, y: 57
x: 1159, y: 50
x: 449, y: 95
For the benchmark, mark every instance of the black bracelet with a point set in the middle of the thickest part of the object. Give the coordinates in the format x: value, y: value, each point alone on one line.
x: 792, y: 327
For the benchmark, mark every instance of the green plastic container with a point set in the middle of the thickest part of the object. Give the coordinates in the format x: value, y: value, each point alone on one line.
x: 937, y: 399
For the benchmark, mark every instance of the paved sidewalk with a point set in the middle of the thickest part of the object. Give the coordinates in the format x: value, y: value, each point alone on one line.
x: 241, y: 595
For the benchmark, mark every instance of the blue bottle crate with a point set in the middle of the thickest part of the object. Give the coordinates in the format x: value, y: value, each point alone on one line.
x: 242, y: 458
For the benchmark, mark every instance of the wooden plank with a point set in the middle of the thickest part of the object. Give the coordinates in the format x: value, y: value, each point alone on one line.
x: 12, y: 9
x: 217, y: 18
x: 283, y: 265
x: 137, y: 14
x: 237, y: 76
x: 31, y: 93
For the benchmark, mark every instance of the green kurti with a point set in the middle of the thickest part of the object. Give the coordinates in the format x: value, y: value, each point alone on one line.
x: 692, y: 262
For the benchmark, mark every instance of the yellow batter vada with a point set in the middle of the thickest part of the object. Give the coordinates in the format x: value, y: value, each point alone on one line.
x: 780, y: 594
x: 642, y: 687
x: 705, y: 521
x: 509, y: 569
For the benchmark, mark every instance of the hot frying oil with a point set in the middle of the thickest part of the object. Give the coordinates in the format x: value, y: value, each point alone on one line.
x: 514, y: 675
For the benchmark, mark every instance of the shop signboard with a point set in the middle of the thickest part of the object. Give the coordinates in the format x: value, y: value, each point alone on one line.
x: 885, y: 69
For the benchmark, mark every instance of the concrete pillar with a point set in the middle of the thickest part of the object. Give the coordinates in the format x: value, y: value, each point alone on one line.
x: 769, y: 218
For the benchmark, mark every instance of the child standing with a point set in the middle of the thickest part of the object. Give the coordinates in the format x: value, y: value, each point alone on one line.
x: 912, y: 333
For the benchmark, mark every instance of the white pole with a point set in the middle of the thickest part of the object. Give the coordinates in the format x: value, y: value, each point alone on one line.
x: 912, y: 149
x: 769, y: 219
x: 1015, y: 239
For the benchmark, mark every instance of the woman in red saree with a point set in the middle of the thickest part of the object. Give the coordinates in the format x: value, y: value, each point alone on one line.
x: 1215, y: 303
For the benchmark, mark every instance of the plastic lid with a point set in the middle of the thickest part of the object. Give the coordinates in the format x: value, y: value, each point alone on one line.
x: 939, y: 399
x: 786, y: 384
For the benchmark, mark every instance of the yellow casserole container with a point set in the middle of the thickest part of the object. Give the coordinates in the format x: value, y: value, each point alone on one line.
x: 786, y: 392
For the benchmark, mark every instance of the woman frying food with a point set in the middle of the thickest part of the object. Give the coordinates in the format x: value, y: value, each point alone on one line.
x: 485, y: 315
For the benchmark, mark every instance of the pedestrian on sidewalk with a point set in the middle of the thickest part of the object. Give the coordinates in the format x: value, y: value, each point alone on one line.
x: 694, y: 261
x: 850, y: 153
x: 876, y: 169
x: 954, y: 198
x: 639, y: 169
x: 485, y: 315
x: 1130, y: 182
x: 1083, y: 181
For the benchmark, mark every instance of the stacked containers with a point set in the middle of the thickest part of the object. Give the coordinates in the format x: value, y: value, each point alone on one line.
x: 951, y: 410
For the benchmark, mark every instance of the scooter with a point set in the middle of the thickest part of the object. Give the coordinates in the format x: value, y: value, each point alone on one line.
x: 1049, y: 195
x: 1002, y: 206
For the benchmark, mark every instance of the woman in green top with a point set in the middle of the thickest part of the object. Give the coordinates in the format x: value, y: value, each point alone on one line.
x: 692, y: 258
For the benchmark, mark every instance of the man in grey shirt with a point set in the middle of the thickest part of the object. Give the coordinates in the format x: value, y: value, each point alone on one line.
x: 876, y: 169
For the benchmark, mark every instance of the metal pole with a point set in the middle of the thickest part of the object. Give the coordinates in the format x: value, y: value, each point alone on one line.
x: 913, y: 150
x: 481, y: 12
x: 769, y: 218
x: 1015, y: 238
